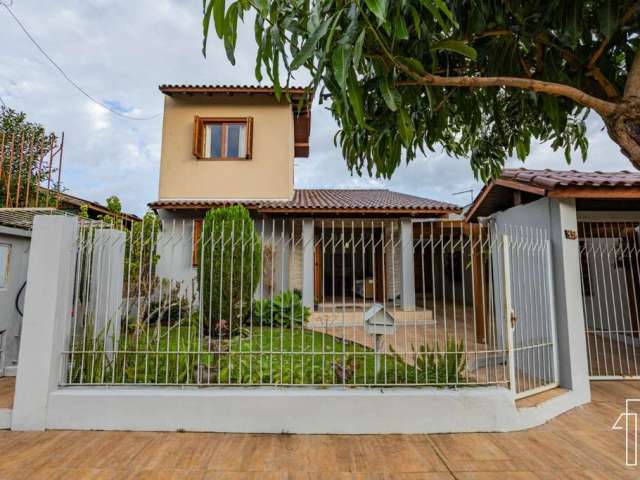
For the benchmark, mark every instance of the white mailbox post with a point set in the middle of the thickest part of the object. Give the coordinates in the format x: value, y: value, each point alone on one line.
x: 378, y: 322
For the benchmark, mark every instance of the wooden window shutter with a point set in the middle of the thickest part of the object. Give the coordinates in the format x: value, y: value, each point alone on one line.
x: 249, y: 137
x: 197, y: 233
x: 198, y: 137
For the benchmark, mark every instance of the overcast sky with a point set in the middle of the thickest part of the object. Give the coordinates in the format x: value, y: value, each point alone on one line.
x: 121, y: 50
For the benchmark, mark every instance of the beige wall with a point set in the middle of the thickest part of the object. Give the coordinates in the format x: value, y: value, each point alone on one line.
x: 268, y: 175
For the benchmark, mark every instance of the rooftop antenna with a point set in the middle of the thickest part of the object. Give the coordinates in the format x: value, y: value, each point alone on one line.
x: 470, y: 191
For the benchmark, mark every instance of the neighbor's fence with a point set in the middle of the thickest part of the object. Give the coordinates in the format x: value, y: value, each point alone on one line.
x: 610, y: 276
x: 30, y: 169
x: 388, y: 304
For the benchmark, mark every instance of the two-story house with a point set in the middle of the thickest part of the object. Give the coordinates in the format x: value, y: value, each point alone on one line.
x: 224, y: 145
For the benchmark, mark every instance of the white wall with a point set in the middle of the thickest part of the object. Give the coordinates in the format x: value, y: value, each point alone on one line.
x: 299, y: 410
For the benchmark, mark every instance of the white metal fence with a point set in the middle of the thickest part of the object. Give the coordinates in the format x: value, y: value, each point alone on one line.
x: 179, y: 303
x: 610, y: 276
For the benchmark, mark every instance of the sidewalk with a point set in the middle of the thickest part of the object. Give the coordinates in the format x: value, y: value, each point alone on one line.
x: 577, y: 445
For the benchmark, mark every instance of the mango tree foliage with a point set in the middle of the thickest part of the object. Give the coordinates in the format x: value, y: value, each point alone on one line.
x: 481, y: 79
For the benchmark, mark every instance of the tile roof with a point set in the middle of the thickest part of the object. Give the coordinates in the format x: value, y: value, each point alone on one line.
x: 494, y: 195
x: 550, y: 179
x: 170, y: 89
x: 319, y: 200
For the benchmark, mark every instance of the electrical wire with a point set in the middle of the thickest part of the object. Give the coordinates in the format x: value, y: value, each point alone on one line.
x: 7, y: 6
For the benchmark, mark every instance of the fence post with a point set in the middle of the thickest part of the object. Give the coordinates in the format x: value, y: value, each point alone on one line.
x: 308, y: 266
x: 47, y: 312
x: 106, y: 284
x: 407, y: 287
x: 508, y: 311
x: 569, y: 314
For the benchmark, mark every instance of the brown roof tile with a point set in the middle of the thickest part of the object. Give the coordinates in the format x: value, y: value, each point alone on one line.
x: 329, y: 200
x: 211, y: 89
x: 549, y: 179
x: 571, y: 183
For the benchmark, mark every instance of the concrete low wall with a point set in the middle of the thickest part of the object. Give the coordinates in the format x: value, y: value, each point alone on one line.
x: 297, y: 410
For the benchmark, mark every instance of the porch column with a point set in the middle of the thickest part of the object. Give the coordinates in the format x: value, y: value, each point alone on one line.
x: 407, y: 285
x: 308, y: 273
x: 47, y: 315
x: 106, y: 284
x: 572, y: 350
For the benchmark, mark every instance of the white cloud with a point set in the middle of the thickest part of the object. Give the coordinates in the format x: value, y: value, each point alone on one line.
x: 120, y: 51
x: 98, y: 116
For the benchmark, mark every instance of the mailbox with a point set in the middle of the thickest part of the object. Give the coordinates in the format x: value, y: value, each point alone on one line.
x: 378, y: 322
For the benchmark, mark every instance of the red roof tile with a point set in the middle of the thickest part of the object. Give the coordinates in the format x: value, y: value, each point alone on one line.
x: 550, y: 179
x: 328, y: 200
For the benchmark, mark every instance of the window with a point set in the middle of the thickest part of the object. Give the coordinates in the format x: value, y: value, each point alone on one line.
x: 5, y: 252
x: 222, y: 138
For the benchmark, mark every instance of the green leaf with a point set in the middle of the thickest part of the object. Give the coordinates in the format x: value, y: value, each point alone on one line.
x: 340, y: 60
x: 405, y: 125
x: 354, y: 94
x: 378, y: 8
x: 263, y: 7
x: 457, y: 46
x: 607, y: 16
x: 387, y: 94
x: 206, y: 20
x: 231, y: 32
x: 413, y: 63
x: 218, y: 16
x: 400, y: 28
x: 435, y: 12
x: 357, y: 50
x: 308, y: 48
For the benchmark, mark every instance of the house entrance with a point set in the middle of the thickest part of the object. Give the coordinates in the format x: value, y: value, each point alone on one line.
x: 349, y: 264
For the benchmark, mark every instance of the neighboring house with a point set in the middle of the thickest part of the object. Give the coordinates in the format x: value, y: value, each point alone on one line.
x: 224, y: 145
x: 594, y: 222
x: 15, y: 240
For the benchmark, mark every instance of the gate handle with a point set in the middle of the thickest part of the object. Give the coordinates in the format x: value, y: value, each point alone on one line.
x: 513, y: 319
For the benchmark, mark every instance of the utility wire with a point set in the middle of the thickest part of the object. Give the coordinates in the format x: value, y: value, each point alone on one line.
x: 7, y: 6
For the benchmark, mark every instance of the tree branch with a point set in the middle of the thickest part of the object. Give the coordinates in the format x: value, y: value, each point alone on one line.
x: 603, y: 107
x: 632, y: 87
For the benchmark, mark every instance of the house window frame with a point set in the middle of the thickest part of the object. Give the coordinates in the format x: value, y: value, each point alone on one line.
x: 200, y: 132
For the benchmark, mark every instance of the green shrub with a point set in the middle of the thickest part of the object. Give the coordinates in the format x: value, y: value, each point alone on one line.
x: 230, y: 253
x: 285, y: 310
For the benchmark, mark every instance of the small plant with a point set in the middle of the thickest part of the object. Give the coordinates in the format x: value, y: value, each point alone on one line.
x: 284, y: 310
x: 442, y: 368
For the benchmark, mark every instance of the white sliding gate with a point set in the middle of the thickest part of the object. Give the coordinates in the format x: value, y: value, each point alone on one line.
x: 528, y: 309
x: 610, y: 277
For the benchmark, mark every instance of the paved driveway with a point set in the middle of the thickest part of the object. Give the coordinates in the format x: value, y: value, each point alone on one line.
x: 577, y: 445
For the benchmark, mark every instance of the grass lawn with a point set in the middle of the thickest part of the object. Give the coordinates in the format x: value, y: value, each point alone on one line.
x: 263, y: 355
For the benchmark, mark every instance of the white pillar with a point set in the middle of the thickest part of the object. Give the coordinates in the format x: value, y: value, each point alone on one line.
x: 106, y: 284
x: 407, y: 289
x: 308, y: 265
x: 47, y: 314
x: 572, y: 350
